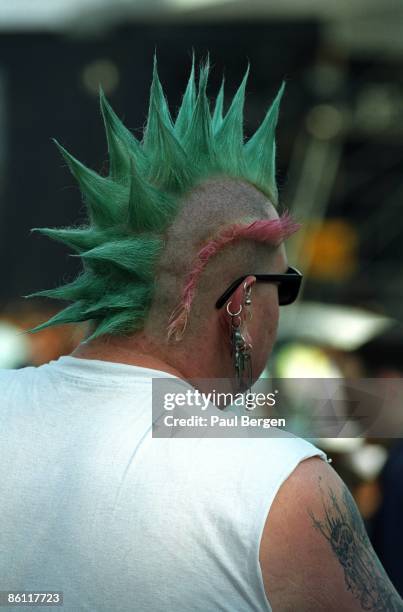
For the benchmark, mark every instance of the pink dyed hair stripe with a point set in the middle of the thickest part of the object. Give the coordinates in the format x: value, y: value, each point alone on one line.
x: 273, y: 231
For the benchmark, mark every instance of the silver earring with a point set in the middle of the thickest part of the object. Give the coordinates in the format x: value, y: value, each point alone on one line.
x: 240, y: 350
x: 248, y: 291
x: 248, y: 299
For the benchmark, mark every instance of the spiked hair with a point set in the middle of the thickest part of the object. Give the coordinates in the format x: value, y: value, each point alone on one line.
x: 131, y: 208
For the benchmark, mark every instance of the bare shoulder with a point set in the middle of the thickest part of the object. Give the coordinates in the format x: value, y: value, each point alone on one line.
x: 315, y: 553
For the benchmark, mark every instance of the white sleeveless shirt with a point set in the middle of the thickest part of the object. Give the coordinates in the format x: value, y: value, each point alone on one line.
x: 92, y: 505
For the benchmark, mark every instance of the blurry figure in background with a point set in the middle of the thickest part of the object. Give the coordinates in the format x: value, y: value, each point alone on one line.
x: 184, y: 272
x: 386, y: 528
x: 44, y: 346
x: 383, y: 358
x: 15, y: 347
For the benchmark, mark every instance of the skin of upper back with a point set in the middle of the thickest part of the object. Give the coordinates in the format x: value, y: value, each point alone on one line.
x: 315, y: 553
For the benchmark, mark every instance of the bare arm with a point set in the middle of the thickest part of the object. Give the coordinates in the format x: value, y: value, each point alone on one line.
x: 315, y: 553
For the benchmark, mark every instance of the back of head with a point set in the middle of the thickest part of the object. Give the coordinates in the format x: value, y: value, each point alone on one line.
x: 168, y: 206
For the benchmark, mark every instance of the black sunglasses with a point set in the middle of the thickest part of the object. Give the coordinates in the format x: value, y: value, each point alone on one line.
x: 288, y: 286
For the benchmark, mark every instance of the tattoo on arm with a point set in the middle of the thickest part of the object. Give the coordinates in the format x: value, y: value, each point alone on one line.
x: 343, y: 528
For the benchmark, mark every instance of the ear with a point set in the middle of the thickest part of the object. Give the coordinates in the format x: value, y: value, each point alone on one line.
x: 237, y: 301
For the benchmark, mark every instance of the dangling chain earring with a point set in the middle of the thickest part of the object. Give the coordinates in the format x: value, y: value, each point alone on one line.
x: 240, y: 347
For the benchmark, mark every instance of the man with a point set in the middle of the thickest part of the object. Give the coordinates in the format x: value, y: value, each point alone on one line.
x: 92, y: 504
x: 382, y: 357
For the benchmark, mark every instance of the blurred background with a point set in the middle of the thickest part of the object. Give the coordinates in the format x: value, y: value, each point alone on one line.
x: 340, y: 161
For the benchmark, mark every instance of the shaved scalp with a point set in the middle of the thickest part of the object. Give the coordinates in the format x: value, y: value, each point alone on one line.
x: 210, y: 209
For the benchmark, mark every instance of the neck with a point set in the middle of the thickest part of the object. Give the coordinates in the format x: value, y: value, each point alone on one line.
x: 121, y: 351
x: 142, y: 350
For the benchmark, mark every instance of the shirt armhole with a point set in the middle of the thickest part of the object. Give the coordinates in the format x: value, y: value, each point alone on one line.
x: 265, y: 509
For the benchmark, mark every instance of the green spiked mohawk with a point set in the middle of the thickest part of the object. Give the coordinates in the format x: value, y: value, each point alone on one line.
x: 131, y: 208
